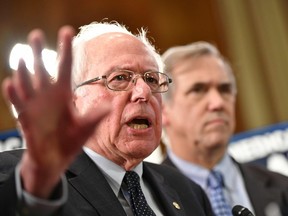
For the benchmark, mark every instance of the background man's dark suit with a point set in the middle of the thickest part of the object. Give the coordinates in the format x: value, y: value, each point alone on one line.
x: 263, y: 187
x: 90, y: 194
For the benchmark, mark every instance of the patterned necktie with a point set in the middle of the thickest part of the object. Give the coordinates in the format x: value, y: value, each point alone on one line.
x: 139, y: 204
x: 215, y: 187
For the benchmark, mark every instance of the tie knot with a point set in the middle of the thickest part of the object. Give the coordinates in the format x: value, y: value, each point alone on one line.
x: 215, y: 179
x: 131, y: 179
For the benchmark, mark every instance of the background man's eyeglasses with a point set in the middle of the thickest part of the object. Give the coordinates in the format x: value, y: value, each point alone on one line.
x: 123, y: 80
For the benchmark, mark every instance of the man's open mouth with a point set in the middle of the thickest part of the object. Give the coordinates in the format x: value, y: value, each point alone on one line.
x: 139, y: 123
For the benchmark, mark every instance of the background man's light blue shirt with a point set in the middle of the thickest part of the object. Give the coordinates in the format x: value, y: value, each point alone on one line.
x: 234, y: 191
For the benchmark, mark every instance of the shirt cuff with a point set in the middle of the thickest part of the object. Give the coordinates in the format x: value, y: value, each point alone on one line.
x: 36, y: 206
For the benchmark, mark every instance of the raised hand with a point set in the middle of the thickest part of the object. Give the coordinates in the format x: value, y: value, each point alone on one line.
x: 52, y: 128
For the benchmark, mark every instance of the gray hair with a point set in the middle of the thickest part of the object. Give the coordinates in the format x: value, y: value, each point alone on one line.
x: 178, y: 53
x: 95, y: 29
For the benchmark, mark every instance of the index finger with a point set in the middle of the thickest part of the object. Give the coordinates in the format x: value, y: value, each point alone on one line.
x: 65, y: 37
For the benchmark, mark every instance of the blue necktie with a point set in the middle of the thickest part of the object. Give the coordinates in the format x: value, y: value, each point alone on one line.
x: 138, y: 202
x: 215, y: 187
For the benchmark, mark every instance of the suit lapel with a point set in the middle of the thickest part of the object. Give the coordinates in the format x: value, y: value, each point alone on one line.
x: 86, y: 178
x: 166, y: 196
x: 90, y: 183
x: 258, y: 186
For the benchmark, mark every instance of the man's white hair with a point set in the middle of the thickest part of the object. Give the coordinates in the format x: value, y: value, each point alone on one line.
x: 95, y: 29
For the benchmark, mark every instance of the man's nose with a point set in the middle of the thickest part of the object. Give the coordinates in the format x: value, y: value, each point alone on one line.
x: 141, y: 89
x: 216, y: 100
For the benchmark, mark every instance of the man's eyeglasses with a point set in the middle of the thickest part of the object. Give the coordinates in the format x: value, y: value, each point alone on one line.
x: 123, y: 80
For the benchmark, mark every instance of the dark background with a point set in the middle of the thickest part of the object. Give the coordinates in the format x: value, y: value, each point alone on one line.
x: 169, y: 22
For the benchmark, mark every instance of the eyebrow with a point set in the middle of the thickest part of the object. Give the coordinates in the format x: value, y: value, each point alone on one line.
x: 207, y: 84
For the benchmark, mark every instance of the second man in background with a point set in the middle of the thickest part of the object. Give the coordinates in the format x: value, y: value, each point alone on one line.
x: 199, y: 120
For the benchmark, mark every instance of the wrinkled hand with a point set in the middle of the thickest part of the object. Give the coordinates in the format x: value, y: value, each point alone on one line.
x: 52, y: 128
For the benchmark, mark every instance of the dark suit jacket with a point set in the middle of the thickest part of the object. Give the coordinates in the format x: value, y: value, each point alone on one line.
x: 263, y: 187
x: 90, y: 193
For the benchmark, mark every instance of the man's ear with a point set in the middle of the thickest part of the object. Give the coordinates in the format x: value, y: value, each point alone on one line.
x: 165, y: 117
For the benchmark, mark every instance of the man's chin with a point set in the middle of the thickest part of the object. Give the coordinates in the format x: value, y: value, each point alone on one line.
x: 217, y: 139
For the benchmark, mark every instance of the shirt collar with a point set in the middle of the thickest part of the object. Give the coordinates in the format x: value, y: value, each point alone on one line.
x: 226, y: 165
x: 113, y: 173
x: 200, y: 174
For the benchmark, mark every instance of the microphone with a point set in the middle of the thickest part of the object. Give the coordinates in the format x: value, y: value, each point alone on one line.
x: 239, y: 210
